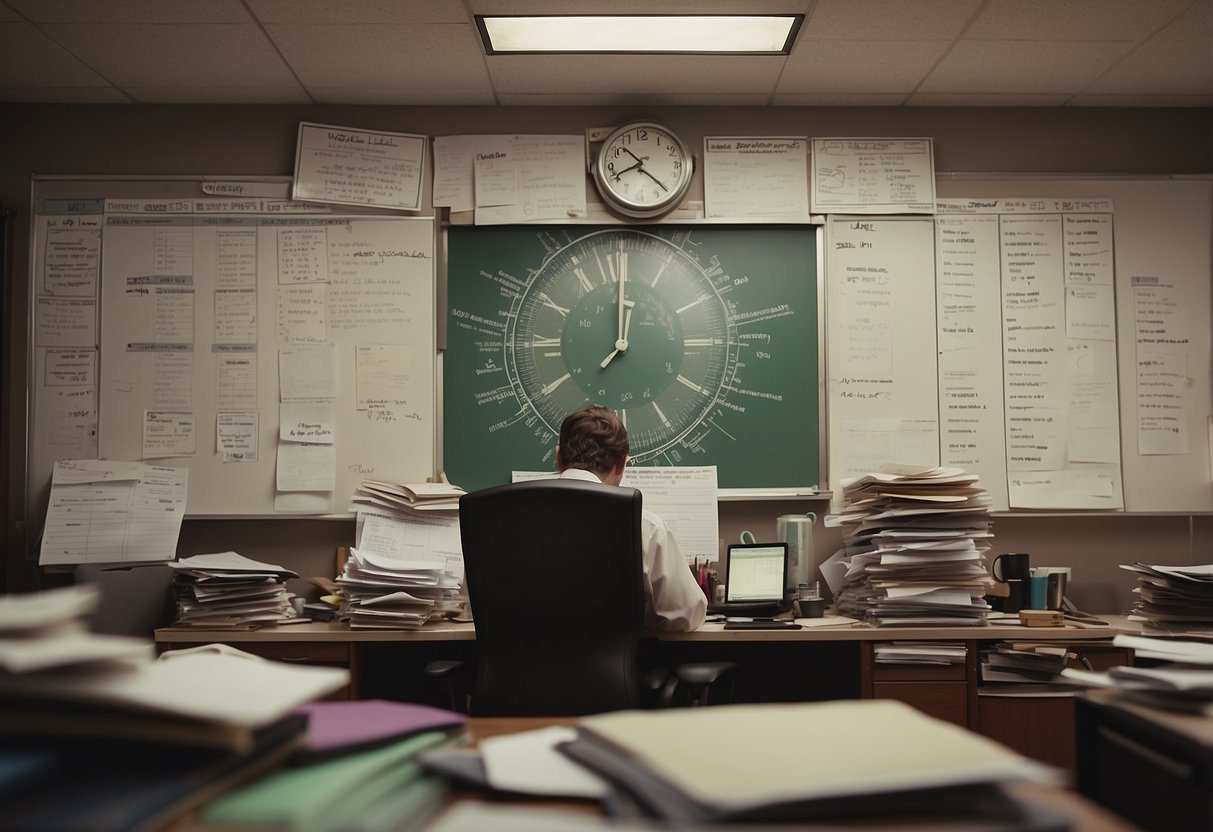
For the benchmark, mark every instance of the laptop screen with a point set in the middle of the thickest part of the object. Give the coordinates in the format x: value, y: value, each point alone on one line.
x: 755, y: 572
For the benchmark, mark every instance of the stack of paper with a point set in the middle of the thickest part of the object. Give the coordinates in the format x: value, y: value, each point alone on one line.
x: 383, y: 592
x: 868, y: 758
x: 1024, y: 663
x: 228, y: 590
x: 1182, y: 679
x: 1173, y: 599
x: 920, y: 652
x: 915, y: 548
x: 123, y: 740
x: 420, y: 497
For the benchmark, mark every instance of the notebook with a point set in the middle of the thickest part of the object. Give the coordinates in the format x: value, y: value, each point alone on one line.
x: 755, y: 579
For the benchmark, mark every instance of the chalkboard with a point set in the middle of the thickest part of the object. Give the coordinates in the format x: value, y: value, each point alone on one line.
x: 721, y: 363
x: 178, y: 327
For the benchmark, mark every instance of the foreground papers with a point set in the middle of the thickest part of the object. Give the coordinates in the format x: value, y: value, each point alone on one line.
x: 736, y: 763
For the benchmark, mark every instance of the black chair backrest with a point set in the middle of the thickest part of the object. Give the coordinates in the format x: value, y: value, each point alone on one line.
x: 135, y: 599
x: 554, y: 573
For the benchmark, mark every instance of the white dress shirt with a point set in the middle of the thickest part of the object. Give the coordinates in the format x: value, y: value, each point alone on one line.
x: 673, y: 600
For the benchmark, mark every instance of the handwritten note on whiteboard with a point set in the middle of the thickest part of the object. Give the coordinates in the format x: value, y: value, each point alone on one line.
x: 359, y: 167
x: 763, y: 177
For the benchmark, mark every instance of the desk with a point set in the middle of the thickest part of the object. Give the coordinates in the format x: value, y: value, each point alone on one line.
x: 1087, y: 816
x: 776, y: 665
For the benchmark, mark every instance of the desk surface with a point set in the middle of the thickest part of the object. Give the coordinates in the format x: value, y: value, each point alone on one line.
x: 1087, y: 816
x: 452, y: 631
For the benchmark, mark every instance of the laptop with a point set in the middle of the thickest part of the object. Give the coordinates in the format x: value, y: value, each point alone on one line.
x: 755, y: 577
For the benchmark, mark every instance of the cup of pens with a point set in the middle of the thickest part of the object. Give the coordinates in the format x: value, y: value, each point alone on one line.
x: 809, y: 603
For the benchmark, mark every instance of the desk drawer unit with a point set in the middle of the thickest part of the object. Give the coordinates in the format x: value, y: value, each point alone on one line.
x: 943, y: 691
x: 1153, y: 767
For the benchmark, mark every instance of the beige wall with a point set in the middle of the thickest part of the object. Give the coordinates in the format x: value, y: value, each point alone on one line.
x: 129, y: 140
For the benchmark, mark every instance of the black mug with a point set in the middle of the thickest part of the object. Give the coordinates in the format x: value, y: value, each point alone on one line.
x: 1013, y: 570
x: 1011, y: 566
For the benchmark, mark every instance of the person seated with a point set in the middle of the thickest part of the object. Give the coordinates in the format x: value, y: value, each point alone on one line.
x: 594, y: 448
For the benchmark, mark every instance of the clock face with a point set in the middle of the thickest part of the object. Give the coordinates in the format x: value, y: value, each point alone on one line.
x: 643, y: 170
x: 628, y: 320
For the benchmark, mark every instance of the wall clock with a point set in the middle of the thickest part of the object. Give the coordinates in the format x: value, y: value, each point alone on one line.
x: 643, y: 170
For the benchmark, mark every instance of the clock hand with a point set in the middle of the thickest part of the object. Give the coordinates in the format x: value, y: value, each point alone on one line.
x: 621, y: 345
x: 622, y: 278
x: 654, y: 178
x: 620, y: 173
x: 639, y: 161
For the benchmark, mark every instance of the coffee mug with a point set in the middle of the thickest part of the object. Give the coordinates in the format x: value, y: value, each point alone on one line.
x: 1012, y: 565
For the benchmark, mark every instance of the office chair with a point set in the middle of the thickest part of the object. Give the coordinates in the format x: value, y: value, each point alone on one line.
x: 554, y: 575
x: 134, y: 600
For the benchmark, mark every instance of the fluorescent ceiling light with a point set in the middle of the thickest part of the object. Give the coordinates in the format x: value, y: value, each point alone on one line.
x: 654, y: 33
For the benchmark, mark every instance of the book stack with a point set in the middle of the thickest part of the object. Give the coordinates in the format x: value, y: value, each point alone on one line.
x: 227, y: 590
x: 915, y: 547
x: 409, y: 498
x: 1173, y: 600
x: 382, y: 592
x: 120, y: 740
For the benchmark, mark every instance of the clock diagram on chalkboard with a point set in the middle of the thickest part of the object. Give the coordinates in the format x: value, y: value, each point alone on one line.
x: 704, y: 340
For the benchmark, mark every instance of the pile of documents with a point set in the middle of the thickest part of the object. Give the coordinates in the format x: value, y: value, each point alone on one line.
x: 920, y: 652
x: 385, y: 592
x: 409, y: 498
x: 1173, y: 599
x: 1024, y: 663
x: 914, y: 548
x: 97, y: 733
x: 1181, y: 680
x: 228, y: 590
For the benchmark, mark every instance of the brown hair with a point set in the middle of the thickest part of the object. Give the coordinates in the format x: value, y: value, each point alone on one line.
x: 593, y: 439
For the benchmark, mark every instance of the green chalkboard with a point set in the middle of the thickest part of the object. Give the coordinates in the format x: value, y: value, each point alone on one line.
x: 704, y: 339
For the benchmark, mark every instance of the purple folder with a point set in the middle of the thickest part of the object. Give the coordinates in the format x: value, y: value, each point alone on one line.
x: 340, y: 727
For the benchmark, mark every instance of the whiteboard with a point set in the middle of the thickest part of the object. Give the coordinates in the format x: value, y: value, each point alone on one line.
x: 1162, y: 234
x: 199, y: 305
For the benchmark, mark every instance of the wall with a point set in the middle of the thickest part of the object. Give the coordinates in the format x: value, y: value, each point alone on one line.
x: 124, y: 140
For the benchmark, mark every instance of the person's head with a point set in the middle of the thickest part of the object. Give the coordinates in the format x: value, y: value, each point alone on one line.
x: 594, y: 439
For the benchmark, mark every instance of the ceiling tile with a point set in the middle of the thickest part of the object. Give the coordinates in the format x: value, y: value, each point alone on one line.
x: 633, y: 74
x: 132, y: 11
x: 856, y: 20
x: 7, y: 15
x: 62, y: 95
x: 965, y: 99
x: 1021, y: 67
x: 384, y: 57
x: 348, y: 12
x: 397, y: 97
x: 1177, y: 60
x: 219, y: 95
x: 859, y: 67
x: 31, y: 59
x: 222, y: 55
x: 1072, y: 19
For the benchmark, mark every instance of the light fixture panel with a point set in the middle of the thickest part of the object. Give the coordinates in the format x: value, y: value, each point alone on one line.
x: 639, y: 34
